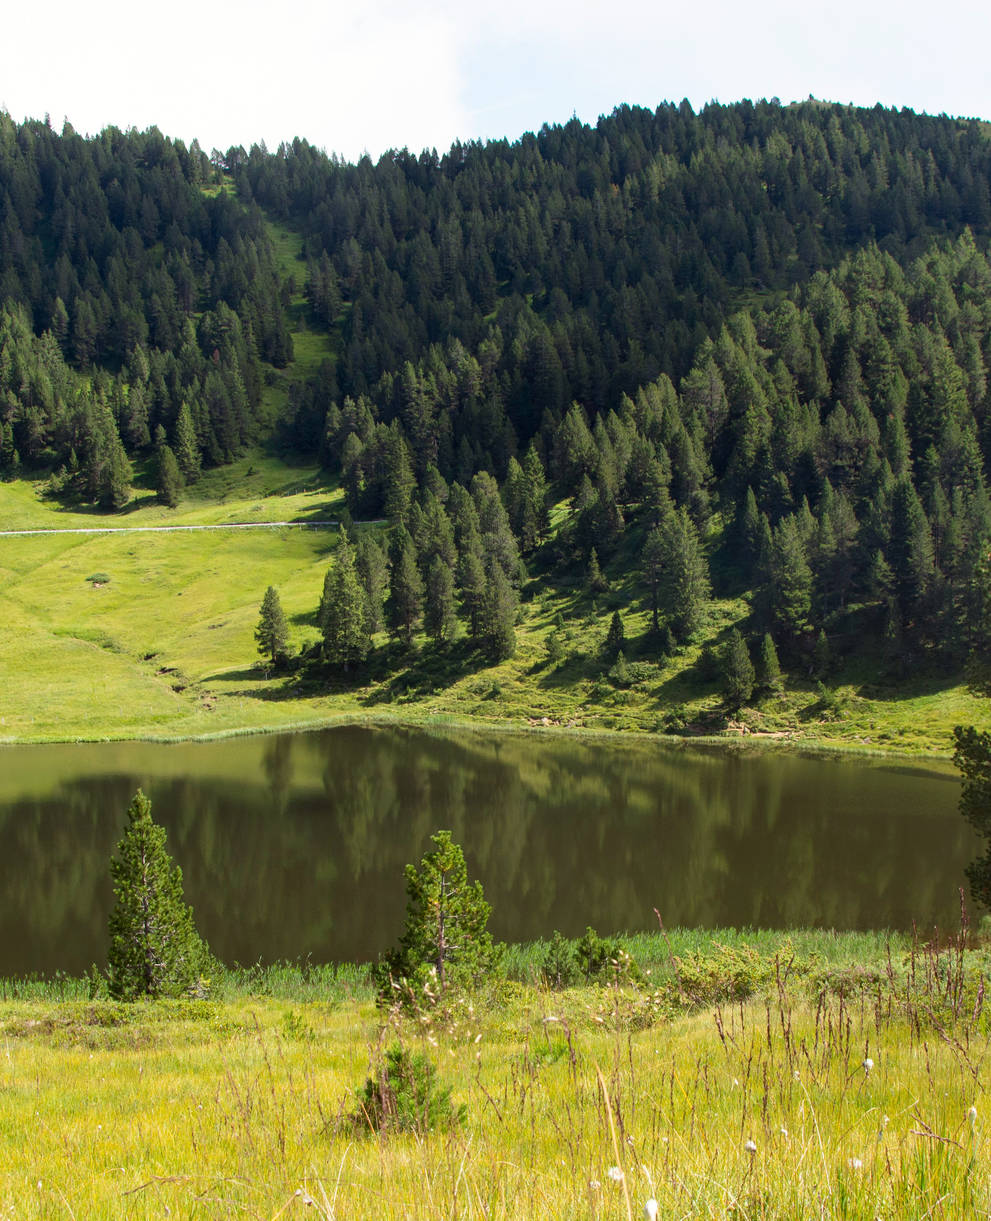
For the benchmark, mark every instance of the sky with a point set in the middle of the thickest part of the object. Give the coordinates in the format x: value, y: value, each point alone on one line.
x: 371, y: 75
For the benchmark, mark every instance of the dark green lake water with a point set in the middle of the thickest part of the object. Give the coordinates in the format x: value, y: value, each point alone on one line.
x: 295, y: 844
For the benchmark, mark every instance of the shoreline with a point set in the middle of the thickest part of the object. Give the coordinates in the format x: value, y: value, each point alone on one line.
x: 740, y: 742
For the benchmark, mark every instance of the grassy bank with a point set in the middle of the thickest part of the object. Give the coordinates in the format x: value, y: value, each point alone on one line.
x: 770, y: 1077
x: 163, y: 647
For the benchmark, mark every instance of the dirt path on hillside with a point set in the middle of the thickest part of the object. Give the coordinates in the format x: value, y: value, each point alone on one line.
x: 232, y: 525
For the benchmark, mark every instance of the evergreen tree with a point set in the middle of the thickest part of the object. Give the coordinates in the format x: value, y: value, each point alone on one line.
x: 910, y: 553
x: 738, y: 672
x: 272, y: 632
x: 169, y: 481
x: 595, y: 581
x: 615, y: 637
x: 115, y: 483
x: 972, y: 755
x: 343, y: 614
x: 787, y: 594
x: 187, y: 451
x: 471, y: 586
x: 155, y: 949
x: 654, y: 554
x: 498, y: 614
x: 768, y: 667
x: 820, y: 656
x: 684, y: 575
x: 373, y: 570
x: 445, y: 941
x: 439, y: 612
x: 405, y: 587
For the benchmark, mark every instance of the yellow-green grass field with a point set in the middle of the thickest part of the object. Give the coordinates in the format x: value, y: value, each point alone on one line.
x: 858, y: 1098
x: 165, y: 647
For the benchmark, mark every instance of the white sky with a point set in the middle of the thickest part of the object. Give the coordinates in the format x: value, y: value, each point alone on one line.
x: 373, y: 74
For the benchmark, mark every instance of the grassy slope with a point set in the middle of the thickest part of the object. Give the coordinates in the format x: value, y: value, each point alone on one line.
x: 238, y: 1106
x: 166, y: 648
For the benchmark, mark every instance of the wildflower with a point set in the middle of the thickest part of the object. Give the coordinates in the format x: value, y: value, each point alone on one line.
x: 594, y: 1184
x: 868, y: 1064
x: 972, y: 1114
x: 615, y: 1174
x: 650, y: 1210
x: 751, y: 1146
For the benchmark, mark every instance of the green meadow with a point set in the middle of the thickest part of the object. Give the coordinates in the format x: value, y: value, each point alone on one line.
x: 777, y: 1078
x: 161, y: 644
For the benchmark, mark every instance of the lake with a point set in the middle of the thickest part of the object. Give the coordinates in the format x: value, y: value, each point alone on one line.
x: 294, y: 844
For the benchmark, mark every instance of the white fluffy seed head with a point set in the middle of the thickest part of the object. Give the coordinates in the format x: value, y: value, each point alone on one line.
x: 868, y: 1064
x: 650, y: 1210
x: 751, y: 1146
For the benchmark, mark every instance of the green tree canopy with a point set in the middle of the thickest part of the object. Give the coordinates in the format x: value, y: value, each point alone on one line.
x: 445, y: 941
x: 155, y: 949
x: 343, y: 613
x: 272, y: 632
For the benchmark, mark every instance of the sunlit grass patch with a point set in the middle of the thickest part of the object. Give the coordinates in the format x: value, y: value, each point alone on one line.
x: 853, y: 1105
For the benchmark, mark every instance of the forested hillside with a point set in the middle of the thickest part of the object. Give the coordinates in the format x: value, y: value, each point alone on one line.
x: 741, y: 353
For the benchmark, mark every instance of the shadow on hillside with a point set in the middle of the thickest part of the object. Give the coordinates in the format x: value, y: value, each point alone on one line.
x: 257, y: 673
x: 401, y: 674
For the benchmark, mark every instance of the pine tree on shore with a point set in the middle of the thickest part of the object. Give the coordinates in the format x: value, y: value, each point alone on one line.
x: 155, y: 949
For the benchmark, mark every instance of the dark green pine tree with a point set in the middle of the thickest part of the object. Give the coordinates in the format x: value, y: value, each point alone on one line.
x: 498, y: 614
x: 738, y: 672
x: 787, y: 595
x: 615, y: 637
x: 768, y: 667
x: 373, y: 571
x: 684, y: 587
x: 169, y: 483
x: 972, y: 755
x: 471, y: 585
x: 115, y: 485
x: 440, y: 617
x: 653, y: 573
x: 595, y: 581
x: 405, y: 603
x: 343, y: 614
x: 910, y: 552
x: 272, y: 632
x: 155, y: 949
x: 187, y: 451
x: 445, y: 941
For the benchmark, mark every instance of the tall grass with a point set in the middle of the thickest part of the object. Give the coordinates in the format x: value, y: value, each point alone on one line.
x: 847, y: 1095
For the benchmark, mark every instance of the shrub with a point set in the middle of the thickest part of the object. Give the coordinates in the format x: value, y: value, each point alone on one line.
x: 404, y: 1096
x: 559, y: 965
x: 592, y: 959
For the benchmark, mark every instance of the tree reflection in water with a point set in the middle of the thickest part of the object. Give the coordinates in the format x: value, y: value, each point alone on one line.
x: 295, y: 844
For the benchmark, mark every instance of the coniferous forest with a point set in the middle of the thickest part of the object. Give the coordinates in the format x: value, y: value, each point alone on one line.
x: 741, y: 352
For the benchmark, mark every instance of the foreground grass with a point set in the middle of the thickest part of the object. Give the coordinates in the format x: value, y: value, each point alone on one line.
x: 165, y: 647
x: 836, y: 1093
